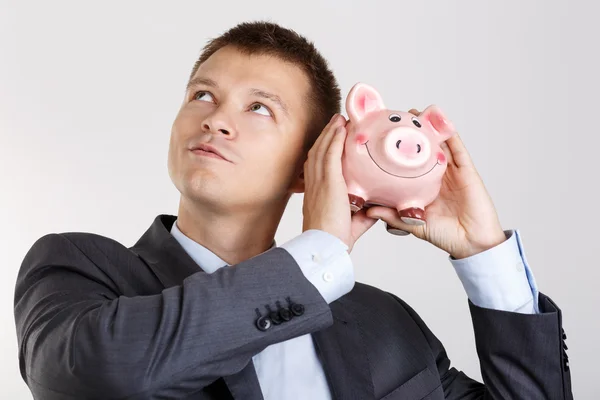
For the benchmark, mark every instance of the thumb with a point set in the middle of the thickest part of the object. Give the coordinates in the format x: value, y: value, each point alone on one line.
x: 360, y: 223
x: 392, y: 219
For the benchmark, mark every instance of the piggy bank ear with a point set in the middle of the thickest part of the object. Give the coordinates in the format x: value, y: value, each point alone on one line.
x: 437, y: 120
x: 362, y: 100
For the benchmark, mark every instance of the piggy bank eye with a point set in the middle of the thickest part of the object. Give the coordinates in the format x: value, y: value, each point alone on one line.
x: 395, y: 118
x: 416, y: 122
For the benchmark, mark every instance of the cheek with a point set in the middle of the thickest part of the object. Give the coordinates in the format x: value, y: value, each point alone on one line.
x: 185, y: 126
x: 361, y: 138
x: 267, y: 144
x: 272, y: 160
x: 441, y: 157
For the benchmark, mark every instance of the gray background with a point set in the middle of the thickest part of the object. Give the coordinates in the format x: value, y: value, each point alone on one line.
x: 89, y: 90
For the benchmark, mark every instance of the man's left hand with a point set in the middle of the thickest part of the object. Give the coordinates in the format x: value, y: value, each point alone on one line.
x: 462, y: 220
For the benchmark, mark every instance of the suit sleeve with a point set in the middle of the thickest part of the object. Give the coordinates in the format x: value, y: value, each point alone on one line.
x: 521, y: 355
x: 80, y: 338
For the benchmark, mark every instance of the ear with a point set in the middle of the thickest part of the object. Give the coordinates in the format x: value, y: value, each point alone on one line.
x: 436, y: 118
x: 362, y: 100
x: 297, y: 184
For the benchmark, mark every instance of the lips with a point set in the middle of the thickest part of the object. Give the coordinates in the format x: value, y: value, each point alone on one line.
x: 206, y: 148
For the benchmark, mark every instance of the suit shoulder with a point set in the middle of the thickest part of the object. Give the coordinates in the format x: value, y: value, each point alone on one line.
x: 85, y: 239
x: 74, y: 238
x: 86, y: 256
x: 69, y: 248
x: 79, y: 240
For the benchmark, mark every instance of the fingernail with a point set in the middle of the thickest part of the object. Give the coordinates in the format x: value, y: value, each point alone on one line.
x: 334, y: 117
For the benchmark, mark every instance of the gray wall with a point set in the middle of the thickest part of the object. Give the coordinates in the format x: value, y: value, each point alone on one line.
x: 89, y: 90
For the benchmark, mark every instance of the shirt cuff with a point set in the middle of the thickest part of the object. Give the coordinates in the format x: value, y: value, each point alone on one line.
x: 500, y: 278
x: 324, y: 261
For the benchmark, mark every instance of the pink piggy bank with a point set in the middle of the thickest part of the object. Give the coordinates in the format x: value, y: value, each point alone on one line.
x: 393, y: 158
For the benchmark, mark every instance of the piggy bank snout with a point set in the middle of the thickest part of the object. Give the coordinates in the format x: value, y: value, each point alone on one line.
x: 407, y: 147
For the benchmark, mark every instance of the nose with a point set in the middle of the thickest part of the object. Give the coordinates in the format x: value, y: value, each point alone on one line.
x: 408, y: 147
x: 217, y: 123
x: 207, y: 128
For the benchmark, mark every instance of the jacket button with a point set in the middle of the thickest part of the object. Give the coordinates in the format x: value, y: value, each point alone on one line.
x: 263, y: 323
x: 297, y: 309
x: 275, y: 318
x: 285, y: 314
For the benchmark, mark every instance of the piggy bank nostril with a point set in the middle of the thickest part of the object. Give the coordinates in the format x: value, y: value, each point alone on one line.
x: 418, y: 148
x: 398, y: 144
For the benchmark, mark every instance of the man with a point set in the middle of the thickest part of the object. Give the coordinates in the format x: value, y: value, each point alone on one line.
x: 206, y: 306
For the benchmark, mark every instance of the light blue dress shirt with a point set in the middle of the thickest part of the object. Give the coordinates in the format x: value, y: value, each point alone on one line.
x: 499, y: 278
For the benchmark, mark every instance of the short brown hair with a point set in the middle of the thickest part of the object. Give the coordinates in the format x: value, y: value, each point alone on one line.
x: 267, y: 38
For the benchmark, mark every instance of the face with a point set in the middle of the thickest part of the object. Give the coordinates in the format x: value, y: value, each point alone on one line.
x: 250, y: 109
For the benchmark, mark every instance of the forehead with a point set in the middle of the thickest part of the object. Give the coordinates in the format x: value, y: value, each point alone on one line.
x: 232, y: 69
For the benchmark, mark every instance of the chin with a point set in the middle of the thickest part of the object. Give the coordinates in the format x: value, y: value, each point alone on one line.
x: 204, y: 185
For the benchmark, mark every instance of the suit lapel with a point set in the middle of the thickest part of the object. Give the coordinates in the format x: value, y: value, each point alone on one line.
x: 163, y: 253
x: 244, y: 385
x: 340, y: 346
x: 344, y: 355
x: 171, y: 265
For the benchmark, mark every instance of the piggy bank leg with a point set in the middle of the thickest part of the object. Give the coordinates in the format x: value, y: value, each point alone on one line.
x: 408, y: 215
x: 356, y: 202
x: 412, y: 215
x: 396, y: 231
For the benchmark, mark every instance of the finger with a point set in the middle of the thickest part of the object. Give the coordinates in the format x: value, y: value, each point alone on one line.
x: 332, y: 160
x: 328, y: 136
x: 361, y: 223
x: 460, y: 155
x: 317, y: 144
x: 392, y: 219
x: 313, y: 166
x: 306, y: 174
x: 325, y: 129
x: 414, y: 111
x: 324, y: 146
x: 447, y: 153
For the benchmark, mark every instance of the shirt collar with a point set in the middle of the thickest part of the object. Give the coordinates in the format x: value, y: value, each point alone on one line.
x: 208, y: 261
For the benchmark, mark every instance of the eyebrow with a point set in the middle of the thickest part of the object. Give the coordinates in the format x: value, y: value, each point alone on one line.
x: 270, y: 96
x: 197, y: 81
x: 201, y: 81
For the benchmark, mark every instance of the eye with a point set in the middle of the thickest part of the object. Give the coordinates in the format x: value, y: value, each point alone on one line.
x: 257, y: 107
x: 202, y: 96
x: 416, y: 122
x: 395, y: 118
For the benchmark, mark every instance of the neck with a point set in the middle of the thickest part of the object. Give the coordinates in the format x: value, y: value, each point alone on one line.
x: 234, y: 236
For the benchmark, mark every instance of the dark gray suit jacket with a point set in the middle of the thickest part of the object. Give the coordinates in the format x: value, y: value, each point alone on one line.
x: 97, y: 320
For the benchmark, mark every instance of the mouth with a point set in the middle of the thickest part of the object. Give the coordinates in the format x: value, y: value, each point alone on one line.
x: 205, y: 150
x: 399, y: 176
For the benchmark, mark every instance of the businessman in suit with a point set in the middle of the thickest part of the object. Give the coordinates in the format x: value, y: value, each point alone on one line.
x: 207, y: 306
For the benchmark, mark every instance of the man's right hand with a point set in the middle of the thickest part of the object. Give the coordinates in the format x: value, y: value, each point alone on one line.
x: 326, y: 206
